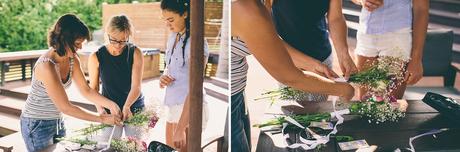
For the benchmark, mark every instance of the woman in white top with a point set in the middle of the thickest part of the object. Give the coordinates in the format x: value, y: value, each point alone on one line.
x: 176, y: 75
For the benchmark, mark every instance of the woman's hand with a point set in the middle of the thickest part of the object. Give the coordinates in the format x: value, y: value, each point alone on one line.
x: 166, y: 80
x: 179, y: 138
x: 345, y: 91
x: 347, y: 66
x: 414, y: 72
x: 100, y: 110
x: 324, y: 71
x: 115, y: 110
x: 127, y: 113
x: 110, y: 119
x: 370, y: 5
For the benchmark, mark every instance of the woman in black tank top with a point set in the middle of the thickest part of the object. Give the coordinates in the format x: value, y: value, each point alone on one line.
x: 118, y: 65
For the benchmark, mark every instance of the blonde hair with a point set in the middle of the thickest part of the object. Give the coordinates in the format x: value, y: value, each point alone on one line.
x: 120, y: 23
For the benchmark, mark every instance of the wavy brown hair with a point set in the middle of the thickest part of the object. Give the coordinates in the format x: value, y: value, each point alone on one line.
x: 67, y: 29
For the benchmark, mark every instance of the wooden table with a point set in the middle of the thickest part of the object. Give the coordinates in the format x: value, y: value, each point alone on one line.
x: 420, y: 118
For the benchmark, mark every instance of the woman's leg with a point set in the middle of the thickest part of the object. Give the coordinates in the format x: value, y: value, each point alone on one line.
x: 170, y: 127
x: 363, y: 63
x: 240, y: 129
x: 399, y: 44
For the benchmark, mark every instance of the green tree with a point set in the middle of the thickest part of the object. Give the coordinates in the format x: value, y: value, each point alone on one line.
x: 24, y: 23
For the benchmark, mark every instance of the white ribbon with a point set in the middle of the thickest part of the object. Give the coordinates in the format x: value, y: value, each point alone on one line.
x: 432, y: 132
x: 307, y: 144
x: 110, y: 139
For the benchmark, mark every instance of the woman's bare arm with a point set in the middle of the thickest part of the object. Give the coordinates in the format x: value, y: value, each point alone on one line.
x: 261, y: 38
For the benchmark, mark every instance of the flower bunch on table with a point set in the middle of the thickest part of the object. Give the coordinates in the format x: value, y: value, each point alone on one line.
x: 377, y: 109
x: 145, y: 119
x: 380, y: 79
x: 128, y: 144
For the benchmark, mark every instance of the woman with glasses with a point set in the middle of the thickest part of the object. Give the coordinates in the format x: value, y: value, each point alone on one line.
x: 119, y: 66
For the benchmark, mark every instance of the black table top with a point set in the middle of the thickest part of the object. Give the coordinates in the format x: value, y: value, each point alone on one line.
x: 388, y: 136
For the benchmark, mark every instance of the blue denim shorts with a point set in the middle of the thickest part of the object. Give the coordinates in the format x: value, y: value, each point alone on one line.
x: 240, y: 126
x: 39, y: 134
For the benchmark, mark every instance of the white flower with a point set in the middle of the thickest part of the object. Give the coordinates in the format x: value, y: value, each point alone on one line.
x: 380, y: 86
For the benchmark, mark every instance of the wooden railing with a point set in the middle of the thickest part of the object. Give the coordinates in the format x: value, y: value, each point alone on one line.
x: 17, y: 65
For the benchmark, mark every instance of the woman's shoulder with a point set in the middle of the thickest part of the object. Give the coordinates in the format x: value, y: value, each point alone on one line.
x: 132, y: 46
x: 48, y: 56
x: 44, y: 66
x: 101, y: 49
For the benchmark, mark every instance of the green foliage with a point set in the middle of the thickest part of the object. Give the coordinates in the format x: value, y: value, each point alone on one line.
x: 304, y: 119
x: 24, y: 23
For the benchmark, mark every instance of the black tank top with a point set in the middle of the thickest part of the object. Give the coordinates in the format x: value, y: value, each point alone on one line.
x: 115, y: 74
x: 302, y: 24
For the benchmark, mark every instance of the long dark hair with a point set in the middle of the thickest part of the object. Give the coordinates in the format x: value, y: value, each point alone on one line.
x: 67, y: 29
x: 180, y: 7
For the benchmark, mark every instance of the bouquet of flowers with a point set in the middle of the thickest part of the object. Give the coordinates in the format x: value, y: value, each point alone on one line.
x: 283, y: 93
x: 380, y: 79
x: 128, y: 144
x: 377, y: 109
x: 146, y: 119
x: 382, y: 76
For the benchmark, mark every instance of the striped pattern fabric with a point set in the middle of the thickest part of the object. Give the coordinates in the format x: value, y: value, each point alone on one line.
x: 239, y: 65
x: 38, y: 104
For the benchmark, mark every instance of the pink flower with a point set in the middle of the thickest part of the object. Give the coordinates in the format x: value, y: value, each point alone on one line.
x: 393, y: 99
x: 153, y: 121
x: 144, y: 145
x: 394, y: 105
x: 131, y: 139
x: 378, y: 98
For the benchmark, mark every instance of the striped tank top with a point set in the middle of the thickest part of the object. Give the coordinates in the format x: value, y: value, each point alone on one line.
x: 239, y: 65
x: 38, y: 104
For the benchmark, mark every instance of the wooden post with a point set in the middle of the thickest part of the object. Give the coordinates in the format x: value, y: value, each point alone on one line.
x: 196, y: 75
x: 23, y: 70
x: 32, y: 64
x: 3, y: 73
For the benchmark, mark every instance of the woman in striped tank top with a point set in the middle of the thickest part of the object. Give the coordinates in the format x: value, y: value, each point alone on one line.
x: 41, y: 118
x: 269, y: 50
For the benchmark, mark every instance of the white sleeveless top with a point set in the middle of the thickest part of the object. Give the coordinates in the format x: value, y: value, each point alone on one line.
x: 38, y: 103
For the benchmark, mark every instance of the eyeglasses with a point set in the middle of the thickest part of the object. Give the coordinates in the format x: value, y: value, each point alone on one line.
x: 112, y: 41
